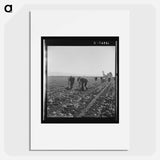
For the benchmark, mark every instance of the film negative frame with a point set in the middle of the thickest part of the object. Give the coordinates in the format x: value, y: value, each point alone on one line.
x: 76, y: 41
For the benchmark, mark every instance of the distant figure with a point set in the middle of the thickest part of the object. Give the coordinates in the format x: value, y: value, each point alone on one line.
x: 102, y: 79
x: 71, y: 82
x: 107, y: 77
x: 82, y: 83
x: 95, y: 78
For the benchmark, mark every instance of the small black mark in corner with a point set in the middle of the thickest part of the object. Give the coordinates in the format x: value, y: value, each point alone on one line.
x: 8, y: 8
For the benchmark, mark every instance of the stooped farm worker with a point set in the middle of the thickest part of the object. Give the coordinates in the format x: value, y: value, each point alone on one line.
x: 71, y: 82
x: 82, y: 83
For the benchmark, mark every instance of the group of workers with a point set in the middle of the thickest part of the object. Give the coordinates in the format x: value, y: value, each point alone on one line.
x: 82, y: 81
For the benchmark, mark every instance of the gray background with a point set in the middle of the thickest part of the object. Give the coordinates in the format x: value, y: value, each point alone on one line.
x: 142, y: 82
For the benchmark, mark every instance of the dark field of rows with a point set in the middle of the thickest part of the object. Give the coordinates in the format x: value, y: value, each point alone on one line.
x: 97, y: 101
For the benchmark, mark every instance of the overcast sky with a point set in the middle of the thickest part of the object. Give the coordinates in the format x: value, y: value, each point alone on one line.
x: 80, y: 60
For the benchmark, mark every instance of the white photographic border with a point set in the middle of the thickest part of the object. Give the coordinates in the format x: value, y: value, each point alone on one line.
x: 79, y: 23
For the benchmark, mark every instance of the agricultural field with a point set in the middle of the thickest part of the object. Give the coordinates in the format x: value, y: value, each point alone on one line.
x: 97, y: 101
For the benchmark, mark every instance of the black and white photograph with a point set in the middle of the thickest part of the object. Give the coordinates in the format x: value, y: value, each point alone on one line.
x: 80, y: 79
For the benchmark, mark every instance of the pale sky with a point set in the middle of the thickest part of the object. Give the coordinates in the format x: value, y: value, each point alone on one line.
x: 81, y: 60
